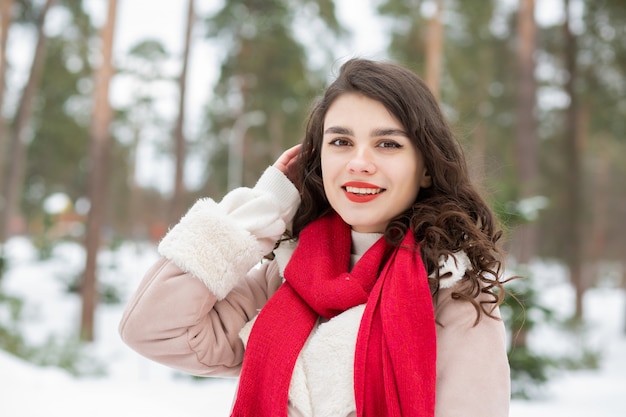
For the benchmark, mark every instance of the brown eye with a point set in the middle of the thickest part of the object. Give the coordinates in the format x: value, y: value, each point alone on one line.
x: 339, y: 142
x: 389, y: 144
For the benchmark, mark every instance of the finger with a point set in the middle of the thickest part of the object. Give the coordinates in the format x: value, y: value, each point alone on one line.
x: 287, y: 157
x: 291, y: 154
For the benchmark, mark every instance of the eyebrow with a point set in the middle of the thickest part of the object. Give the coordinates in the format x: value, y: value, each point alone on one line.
x: 338, y: 130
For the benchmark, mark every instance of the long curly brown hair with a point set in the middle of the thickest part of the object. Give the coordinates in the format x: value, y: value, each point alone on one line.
x: 446, y: 217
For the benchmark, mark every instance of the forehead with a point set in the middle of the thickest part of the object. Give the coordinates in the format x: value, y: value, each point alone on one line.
x: 359, y: 110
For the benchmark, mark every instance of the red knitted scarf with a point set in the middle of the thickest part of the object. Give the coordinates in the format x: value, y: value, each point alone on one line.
x: 394, y: 366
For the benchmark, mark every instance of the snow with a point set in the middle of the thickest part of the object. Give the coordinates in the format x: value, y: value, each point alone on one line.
x: 135, y: 386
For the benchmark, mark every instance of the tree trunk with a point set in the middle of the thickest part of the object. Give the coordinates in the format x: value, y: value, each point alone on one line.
x: 5, y: 22
x: 526, y: 142
x: 178, y: 205
x: 573, y: 215
x: 14, y: 181
x: 434, y: 51
x: 600, y: 202
x: 98, y: 174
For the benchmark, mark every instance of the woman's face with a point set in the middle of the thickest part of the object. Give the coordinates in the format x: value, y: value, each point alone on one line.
x: 370, y: 169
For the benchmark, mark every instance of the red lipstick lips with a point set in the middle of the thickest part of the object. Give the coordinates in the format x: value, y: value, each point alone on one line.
x: 361, y: 192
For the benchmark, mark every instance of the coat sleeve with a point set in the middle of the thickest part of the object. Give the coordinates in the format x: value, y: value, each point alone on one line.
x: 190, y: 306
x: 473, y: 375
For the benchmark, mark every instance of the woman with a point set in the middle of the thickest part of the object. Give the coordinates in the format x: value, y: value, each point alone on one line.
x: 381, y: 297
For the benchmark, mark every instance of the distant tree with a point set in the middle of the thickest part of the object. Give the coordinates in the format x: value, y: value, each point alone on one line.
x: 98, y: 173
x: 602, y: 123
x: 434, y: 50
x: 145, y: 67
x: 584, y: 223
x: 178, y: 203
x: 5, y: 22
x: 6, y: 7
x: 526, y: 135
x: 408, y: 32
x: 14, y: 180
x: 56, y: 157
x: 573, y: 216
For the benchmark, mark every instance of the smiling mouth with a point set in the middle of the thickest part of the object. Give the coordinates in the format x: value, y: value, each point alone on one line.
x: 363, y: 191
x: 362, y: 194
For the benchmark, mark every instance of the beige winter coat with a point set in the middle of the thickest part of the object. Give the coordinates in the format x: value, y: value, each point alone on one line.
x: 195, y: 307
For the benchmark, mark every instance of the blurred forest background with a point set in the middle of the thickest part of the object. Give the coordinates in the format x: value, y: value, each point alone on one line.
x: 540, y: 110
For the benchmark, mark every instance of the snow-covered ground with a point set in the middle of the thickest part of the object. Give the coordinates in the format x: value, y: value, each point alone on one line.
x: 135, y: 386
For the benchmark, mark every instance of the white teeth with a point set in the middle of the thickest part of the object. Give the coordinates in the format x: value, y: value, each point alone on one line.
x: 355, y: 190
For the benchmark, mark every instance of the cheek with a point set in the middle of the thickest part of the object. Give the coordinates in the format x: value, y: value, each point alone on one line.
x: 326, y: 172
x: 411, y: 186
x: 328, y: 165
x: 411, y: 190
x: 323, y: 160
x: 324, y: 169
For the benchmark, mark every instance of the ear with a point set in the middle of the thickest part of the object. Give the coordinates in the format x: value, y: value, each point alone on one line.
x: 426, y: 180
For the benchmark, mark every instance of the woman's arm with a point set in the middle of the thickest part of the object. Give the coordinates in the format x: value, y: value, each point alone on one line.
x: 191, y: 304
x: 174, y: 319
x: 473, y: 376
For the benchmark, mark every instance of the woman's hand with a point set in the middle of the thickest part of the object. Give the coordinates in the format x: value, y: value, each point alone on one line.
x: 286, y: 162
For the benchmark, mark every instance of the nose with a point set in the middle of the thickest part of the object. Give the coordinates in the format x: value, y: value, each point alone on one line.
x: 361, y: 162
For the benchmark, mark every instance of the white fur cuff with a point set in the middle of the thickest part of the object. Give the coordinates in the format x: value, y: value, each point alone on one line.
x: 209, y: 245
x: 456, y: 264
